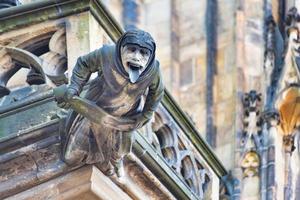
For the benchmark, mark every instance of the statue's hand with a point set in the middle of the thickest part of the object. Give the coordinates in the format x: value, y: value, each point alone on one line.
x: 140, y: 121
x: 68, y: 96
x: 70, y: 93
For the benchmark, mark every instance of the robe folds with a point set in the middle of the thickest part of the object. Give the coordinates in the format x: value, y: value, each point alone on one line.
x: 88, y: 142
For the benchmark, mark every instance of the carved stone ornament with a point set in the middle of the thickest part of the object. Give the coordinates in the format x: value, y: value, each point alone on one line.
x: 287, y: 101
x: 271, y: 117
x: 44, y: 55
x: 252, y: 120
x: 292, y: 20
x: 167, y: 138
x: 288, y: 143
x: 290, y: 73
x: 289, y: 110
x: 250, y: 164
x: 269, y: 57
x: 119, y: 101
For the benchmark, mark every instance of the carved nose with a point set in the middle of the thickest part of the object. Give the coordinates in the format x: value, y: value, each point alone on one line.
x: 137, y: 56
x: 136, y: 59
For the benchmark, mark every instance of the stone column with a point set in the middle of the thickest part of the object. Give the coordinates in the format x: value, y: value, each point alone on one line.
x: 295, y: 163
x: 274, y: 180
x: 211, y: 58
x: 264, y: 161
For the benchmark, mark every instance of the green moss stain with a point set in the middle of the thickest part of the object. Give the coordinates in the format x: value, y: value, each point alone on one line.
x: 83, y: 27
x: 32, y: 15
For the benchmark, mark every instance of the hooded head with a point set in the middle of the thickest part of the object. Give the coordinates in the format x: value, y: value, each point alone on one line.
x: 135, y: 53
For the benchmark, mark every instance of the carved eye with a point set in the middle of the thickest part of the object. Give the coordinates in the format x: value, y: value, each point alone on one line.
x: 132, y: 48
x: 145, y: 52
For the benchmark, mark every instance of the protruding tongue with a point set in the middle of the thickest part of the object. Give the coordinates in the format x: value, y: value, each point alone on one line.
x: 134, y: 74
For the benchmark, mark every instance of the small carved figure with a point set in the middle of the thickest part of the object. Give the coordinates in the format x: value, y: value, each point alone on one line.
x: 250, y: 185
x: 128, y: 89
x: 252, y: 120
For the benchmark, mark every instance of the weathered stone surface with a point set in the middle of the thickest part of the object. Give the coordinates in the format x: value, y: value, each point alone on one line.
x: 27, y: 119
x: 30, y: 165
x: 191, y: 19
x: 85, y: 183
x: 224, y: 88
x: 226, y: 157
x: 77, y: 34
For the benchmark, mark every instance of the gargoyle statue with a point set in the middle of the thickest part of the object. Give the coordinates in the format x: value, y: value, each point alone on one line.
x: 124, y: 96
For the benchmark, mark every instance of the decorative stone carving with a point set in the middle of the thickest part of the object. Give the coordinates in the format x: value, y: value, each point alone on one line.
x: 288, y: 143
x: 292, y: 20
x: 290, y: 74
x: 289, y: 109
x: 250, y: 165
x: 166, y: 138
x: 269, y: 62
x: 287, y: 100
x: 27, y: 52
x: 124, y: 95
x: 13, y: 59
x: 252, y: 120
x: 55, y: 60
x: 252, y: 143
x: 188, y: 164
x: 271, y: 117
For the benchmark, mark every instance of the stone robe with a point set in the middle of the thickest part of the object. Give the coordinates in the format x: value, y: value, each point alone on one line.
x: 88, y: 142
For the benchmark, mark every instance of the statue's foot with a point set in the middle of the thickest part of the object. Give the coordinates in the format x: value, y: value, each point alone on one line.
x: 110, y: 170
x: 116, y: 167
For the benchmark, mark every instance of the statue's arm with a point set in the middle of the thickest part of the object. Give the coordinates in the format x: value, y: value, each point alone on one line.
x: 155, y: 94
x: 83, y: 69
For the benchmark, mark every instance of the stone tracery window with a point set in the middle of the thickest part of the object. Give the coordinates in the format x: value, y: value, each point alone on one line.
x: 166, y: 136
x: 40, y: 57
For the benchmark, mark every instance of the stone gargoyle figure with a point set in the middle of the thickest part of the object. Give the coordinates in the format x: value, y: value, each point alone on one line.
x: 128, y: 89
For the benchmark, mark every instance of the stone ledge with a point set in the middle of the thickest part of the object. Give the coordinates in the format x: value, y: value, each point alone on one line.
x: 87, y: 182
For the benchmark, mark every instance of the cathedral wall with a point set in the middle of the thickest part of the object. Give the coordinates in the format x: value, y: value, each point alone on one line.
x: 159, y: 24
x: 179, y: 29
x: 224, y: 89
x: 192, y: 61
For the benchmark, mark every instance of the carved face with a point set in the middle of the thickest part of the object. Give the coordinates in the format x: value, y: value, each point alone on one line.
x: 250, y: 164
x: 134, y: 60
